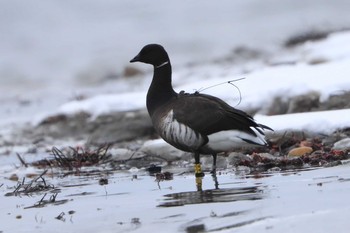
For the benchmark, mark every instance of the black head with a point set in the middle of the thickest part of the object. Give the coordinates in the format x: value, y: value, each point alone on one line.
x: 153, y: 54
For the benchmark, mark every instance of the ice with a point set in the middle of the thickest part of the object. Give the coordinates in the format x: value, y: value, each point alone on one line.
x: 295, y: 201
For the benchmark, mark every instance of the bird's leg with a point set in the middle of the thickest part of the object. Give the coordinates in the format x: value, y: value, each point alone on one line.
x: 215, y: 179
x: 199, y: 183
x: 197, y: 166
x: 213, y: 170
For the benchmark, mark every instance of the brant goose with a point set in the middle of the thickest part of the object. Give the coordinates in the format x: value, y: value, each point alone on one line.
x: 197, y: 123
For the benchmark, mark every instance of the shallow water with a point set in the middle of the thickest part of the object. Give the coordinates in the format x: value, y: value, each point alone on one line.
x: 293, y: 201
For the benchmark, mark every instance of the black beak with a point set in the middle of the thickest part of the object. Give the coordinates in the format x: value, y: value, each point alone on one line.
x: 135, y: 59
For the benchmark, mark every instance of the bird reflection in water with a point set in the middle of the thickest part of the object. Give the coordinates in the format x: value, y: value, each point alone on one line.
x: 254, y: 192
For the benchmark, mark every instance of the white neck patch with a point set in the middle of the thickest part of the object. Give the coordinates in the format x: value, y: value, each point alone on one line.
x: 163, y: 64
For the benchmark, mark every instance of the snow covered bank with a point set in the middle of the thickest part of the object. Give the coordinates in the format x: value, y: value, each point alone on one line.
x: 321, y: 122
x: 259, y: 88
x: 55, y: 52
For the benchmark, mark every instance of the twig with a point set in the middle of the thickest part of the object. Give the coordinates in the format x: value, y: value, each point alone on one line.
x: 61, y: 159
x: 105, y: 148
x: 35, y: 180
x: 60, y: 217
x: 17, y: 188
x: 42, y: 199
x: 19, y: 185
x: 21, y: 160
x: 41, y: 175
x: 53, y: 197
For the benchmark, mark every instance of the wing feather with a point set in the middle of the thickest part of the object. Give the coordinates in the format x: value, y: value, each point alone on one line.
x: 208, y: 114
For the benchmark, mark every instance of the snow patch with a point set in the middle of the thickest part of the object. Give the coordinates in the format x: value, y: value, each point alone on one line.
x: 321, y: 122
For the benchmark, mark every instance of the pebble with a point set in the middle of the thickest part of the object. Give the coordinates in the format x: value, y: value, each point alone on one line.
x: 317, y: 153
x: 342, y: 144
x: 134, y: 170
x: 160, y: 148
x: 242, y: 170
x: 234, y: 158
x: 13, y: 177
x: 267, y: 156
x: 299, y: 151
x: 306, y: 143
x: 274, y: 169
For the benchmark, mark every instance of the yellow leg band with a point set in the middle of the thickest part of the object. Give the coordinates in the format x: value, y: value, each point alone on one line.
x: 197, y: 168
x: 199, y: 183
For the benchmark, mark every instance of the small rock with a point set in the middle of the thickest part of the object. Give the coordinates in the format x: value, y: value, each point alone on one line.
x: 134, y: 170
x: 195, y: 228
x: 267, y: 156
x: 317, y: 153
x: 120, y: 126
x: 304, y: 37
x: 135, y: 221
x: 13, y: 177
x: 342, y: 144
x: 161, y: 149
x: 154, y: 169
x: 32, y: 150
x: 164, y: 176
x: 242, y: 170
x: 332, y: 164
x: 300, y: 151
x: 306, y: 143
x: 278, y: 106
x: 304, y: 103
x: 274, y: 169
x: 141, y: 163
x: 236, y: 158
x: 340, y: 100
x: 317, y: 60
x: 103, y: 181
x: 329, y: 141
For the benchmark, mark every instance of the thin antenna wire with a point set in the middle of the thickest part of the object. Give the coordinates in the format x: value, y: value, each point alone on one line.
x: 229, y: 82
